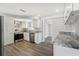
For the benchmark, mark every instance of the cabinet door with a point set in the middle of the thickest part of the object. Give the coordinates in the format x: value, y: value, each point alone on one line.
x: 26, y: 36
x: 38, y: 38
x: 76, y: 6
x: 68, y: 9
x: 36, y: 23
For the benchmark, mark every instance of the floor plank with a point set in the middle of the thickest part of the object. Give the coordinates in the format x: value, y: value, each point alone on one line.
x: 24, y: 48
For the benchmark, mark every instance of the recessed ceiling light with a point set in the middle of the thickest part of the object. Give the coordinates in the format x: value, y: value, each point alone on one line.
x: 57, y: 10
x: 37, y: 17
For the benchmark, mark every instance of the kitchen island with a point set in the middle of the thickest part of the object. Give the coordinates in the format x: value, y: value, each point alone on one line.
x: 66, y: 44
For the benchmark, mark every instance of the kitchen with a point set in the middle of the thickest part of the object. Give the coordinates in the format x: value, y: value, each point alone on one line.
x: 24, y: 37
x: 26, y: 30
x: 31, y: 25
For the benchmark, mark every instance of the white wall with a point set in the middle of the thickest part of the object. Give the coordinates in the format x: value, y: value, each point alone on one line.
x: 57, y: 26
x: 8, y: 30
x: 47, y: 28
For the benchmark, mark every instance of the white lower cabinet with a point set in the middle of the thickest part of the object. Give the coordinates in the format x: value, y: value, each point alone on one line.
x: 38, y: 38
x: 26, y: 36
x: 65, y: 51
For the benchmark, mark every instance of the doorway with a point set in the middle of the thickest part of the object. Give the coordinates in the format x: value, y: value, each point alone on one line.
x: 49, y: 29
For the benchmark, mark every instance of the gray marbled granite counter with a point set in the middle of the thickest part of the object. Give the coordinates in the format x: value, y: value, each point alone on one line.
x: 67, y: 39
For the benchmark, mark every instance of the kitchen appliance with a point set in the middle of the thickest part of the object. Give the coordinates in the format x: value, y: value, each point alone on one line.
x: 32, y: 37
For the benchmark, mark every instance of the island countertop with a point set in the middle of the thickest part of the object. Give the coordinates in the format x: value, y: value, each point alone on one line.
x: 67, y: 40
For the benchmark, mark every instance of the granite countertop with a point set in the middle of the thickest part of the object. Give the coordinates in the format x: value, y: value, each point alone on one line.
x: 20, y: 32
x: 30, y: 31
x: 67, y: 39
x: 24, y: 30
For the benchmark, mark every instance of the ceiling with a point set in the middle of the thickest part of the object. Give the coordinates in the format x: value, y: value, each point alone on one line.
x: 31, y: 9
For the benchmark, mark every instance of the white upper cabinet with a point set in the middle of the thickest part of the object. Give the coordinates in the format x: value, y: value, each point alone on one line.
x: 75, y: 6
x: 71, y: 14
x: 68, y: 10
x: 36, y: 23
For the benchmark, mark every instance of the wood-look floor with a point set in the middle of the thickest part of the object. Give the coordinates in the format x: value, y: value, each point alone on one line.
x: 24, y: 48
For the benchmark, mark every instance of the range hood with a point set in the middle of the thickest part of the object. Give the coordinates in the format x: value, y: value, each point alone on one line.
x: 73, y: 17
